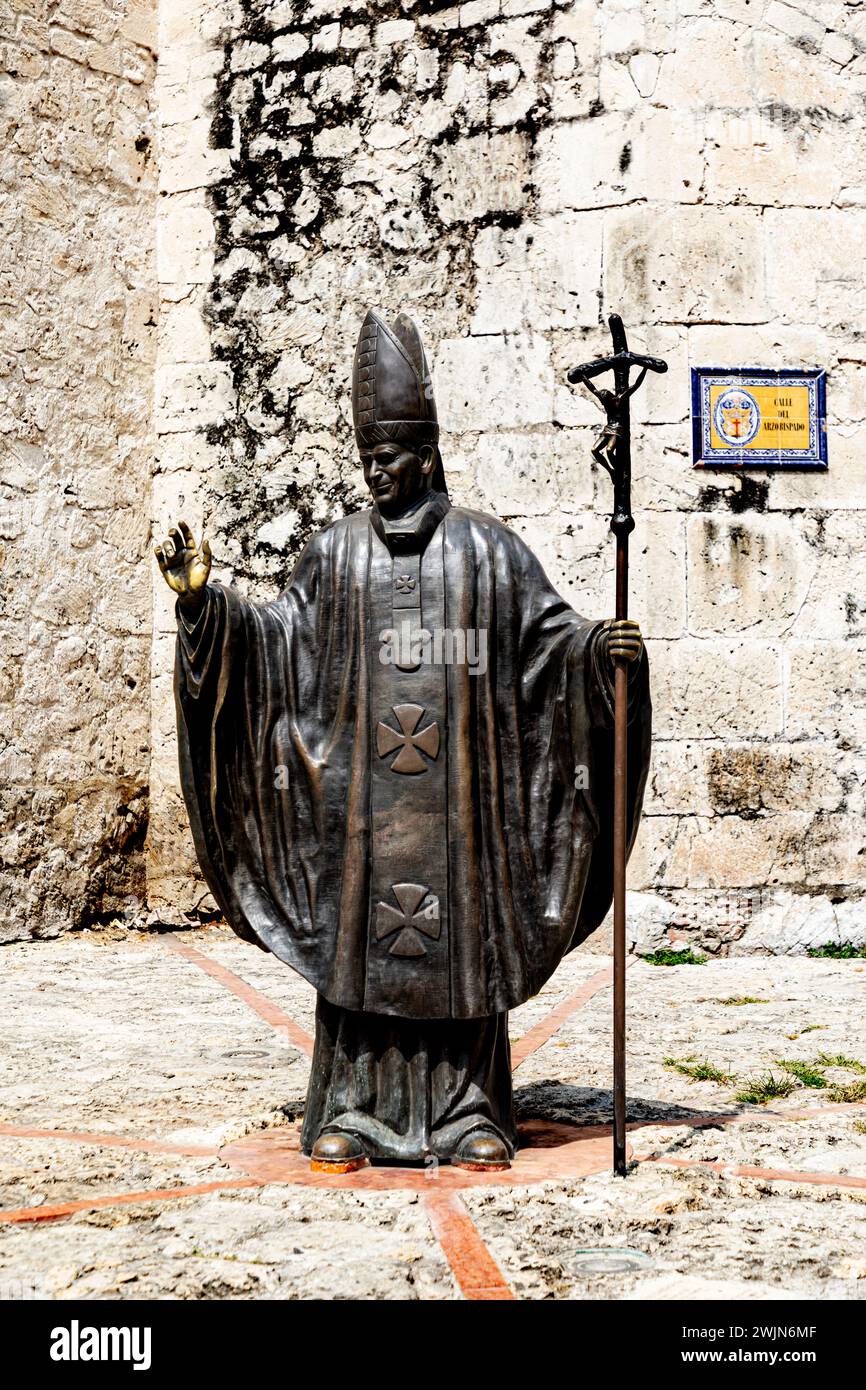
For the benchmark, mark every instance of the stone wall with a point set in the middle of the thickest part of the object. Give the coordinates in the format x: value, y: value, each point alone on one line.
x: 76, y: 366
x: 508, y: 171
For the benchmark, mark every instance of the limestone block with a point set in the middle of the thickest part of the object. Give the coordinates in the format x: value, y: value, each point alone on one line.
x: 825, y: 691
x: 585, y: 164
x: 246, y: 56
x: 723, y: 851
x: 759, y: 345
x: 749, y: 574
x: 564, y: 59
x: 838, y: 48
x: 677, y: 782
x: 327, y: 38
x: 717, y: 688
x: 835, y: 605
x: 291, y: 371
x: 139, y: 24
x: 184, y: 102
x: 845, y: 405
x: 572, y: 482
x: 183, y: 452
x: 570, y: 550
x: 540, y: 275
x: 690, y: 79
x: 440, y: 19
x: 650, y: 854
x: 163, y: 723
x: 503, y: 379
x: 392, y: 31
x: 183, y: 332
x: 792, y: 78
x: 188, y: 160
x: 288, y: 48
x: 647, y: 923
x: 191, y: 396
x: 814, y: 263
x: 602, y: 162
x: 662, y: 476
x: 578, y: 22
x: 184, y: 242
x: 748, y: 779
x: 758, y: 159
x: 851, y: 922
x: 478, y: 12
x: 664, y: 397
x: 657, y: 576
x: 644, y: 72
x: 843, y: 485
x: 794, y: 923
x: 688, y: 264
x: 174, y: 882
x: 479, y: 175
x: 836, y: 849
x: 794, y: 22
x: 513, y: 474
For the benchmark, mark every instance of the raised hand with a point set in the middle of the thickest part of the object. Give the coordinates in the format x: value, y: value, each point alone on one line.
x: 624, y: 640
x: 184, y: 566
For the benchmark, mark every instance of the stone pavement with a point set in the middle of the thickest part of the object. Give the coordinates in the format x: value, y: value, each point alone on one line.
x: 152, y: 1083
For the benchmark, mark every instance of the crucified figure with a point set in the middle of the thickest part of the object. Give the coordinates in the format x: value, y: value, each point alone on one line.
x: 611, y: 403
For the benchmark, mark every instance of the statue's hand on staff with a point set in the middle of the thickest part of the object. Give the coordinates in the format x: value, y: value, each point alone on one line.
x: 185, y: 567
x: 624, y: 640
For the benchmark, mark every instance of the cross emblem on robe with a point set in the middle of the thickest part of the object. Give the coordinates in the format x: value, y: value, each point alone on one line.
x: 409, y: 740
x: 404, y: 584
x: 418, y: 912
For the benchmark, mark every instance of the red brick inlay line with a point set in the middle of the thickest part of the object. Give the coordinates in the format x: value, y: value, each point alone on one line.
x: 114, y: 1141
x: 543, y: 1031
x: 477, y: 1273
x: 279, y: 1021
x: 121, y: 1199
x: 746, y: 1170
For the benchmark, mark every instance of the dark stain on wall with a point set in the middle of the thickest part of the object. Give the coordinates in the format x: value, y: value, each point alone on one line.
x: 749, y: 494
x: 306, y: 238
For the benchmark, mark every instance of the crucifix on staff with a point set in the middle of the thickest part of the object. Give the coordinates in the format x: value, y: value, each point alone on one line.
x: 613, y: 451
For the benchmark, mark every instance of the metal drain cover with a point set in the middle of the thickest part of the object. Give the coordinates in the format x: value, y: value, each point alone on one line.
x: 608, y: 1260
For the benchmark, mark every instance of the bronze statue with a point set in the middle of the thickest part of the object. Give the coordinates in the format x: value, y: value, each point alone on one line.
x: 398, y: 776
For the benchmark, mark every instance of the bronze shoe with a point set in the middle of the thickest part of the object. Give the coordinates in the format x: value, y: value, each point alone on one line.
x: 482, y: 1151
x: 338, y: 1152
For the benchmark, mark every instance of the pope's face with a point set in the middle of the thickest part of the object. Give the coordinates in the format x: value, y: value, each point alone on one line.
x: 396, y: 476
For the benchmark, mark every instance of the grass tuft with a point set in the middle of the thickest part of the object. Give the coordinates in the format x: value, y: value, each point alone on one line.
x: 830, y: 951
x: 850, y: 1094
x: 759, y: 1089
x: 737, y: 1000
x: 806, y: 1073
x: 700, y: 1071
x: 824, y: 1059
x: 860, y: 1126
x: 668, y: 957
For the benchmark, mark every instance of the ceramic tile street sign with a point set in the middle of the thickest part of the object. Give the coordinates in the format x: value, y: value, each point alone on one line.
x: 751, y: 417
